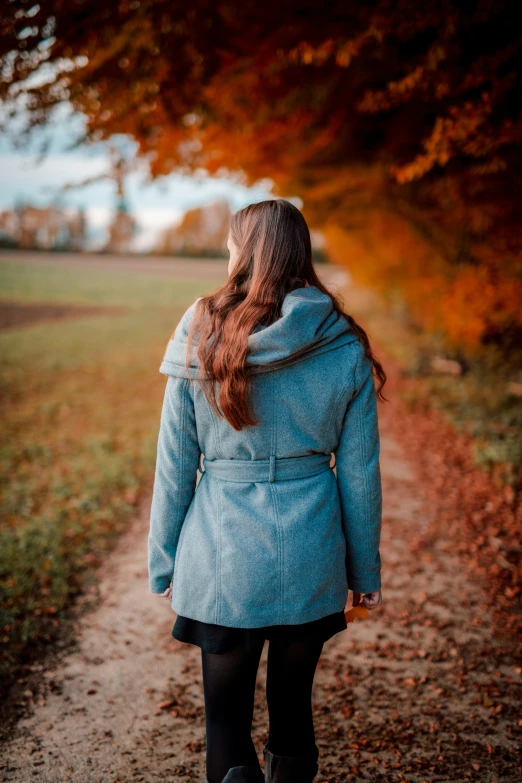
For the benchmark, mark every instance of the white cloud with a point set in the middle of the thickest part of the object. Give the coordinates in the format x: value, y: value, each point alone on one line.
x: 158, y: 218
x: 22, y: 179
x: 150, y: 224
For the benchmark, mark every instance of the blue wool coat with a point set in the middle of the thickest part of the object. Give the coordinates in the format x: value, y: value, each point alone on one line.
x: 271, y: 533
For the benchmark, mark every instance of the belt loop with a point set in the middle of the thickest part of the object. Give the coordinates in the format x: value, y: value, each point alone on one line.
x: 202, y: 468
x: 271, y: 472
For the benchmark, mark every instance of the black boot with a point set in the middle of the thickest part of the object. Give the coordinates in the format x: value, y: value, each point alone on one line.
x: 243, y: 774
x: 290, y: 769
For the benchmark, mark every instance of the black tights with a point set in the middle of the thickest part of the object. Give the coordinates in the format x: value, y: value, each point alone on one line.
x: 229, y: 682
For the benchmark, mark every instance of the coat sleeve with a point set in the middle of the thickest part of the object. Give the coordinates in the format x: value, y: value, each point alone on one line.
x: 177, y: 461
x: 359, y: 482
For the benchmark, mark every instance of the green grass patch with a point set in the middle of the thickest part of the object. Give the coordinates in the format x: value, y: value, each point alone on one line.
x: 81, y: 400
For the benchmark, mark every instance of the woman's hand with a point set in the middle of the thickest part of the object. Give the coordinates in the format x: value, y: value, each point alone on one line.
x: 368, y: 600
x: 168, y: 592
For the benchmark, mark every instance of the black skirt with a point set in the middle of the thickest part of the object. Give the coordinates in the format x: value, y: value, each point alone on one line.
x: 221, y: 638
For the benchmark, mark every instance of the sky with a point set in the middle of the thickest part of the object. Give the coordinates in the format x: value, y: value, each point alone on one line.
x: 25, y: 178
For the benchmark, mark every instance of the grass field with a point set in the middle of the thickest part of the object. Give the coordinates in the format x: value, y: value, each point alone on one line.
x: 81, y: 399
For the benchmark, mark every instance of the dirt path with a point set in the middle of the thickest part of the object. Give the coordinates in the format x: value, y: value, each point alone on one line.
x: 418, y: 692
x: 16, y: 314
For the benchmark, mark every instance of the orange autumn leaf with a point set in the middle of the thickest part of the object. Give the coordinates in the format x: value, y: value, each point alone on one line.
x: 356, y: 613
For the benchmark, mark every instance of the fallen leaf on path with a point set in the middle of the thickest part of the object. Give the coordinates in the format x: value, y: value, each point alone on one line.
x: 163, y: 705
x: 356, y: 613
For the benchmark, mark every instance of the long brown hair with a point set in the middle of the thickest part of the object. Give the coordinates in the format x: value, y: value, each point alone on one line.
x: 274, y: 258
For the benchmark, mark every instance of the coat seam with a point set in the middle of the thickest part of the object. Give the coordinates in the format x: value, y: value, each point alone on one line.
x: 218, y: 590
x: 355, y: 392
x: 281, y: 555
x: 218, y: 562
x: 280, y: 543
x: 360, y: 430
x: 336, y: 408
x: 339, y: 399
x: 180, y: 467
x: 216, y: 432
x: 337, y: 405
x: 184, y: 436
x: 353, y: 381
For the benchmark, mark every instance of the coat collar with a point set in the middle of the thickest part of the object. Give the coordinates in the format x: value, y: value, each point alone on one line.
x: 308, y: 326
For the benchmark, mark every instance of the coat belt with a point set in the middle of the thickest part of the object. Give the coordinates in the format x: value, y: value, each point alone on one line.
x: 271, y: 469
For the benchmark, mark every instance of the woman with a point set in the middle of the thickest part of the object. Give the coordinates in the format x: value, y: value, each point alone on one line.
x: 267, y: 377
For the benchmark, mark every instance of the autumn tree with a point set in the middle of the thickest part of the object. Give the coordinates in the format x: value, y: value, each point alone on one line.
x: 408, y: 108
x: 202, y: 231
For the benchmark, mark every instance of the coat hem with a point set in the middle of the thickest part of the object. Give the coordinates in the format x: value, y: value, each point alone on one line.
x: 296, y: 617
